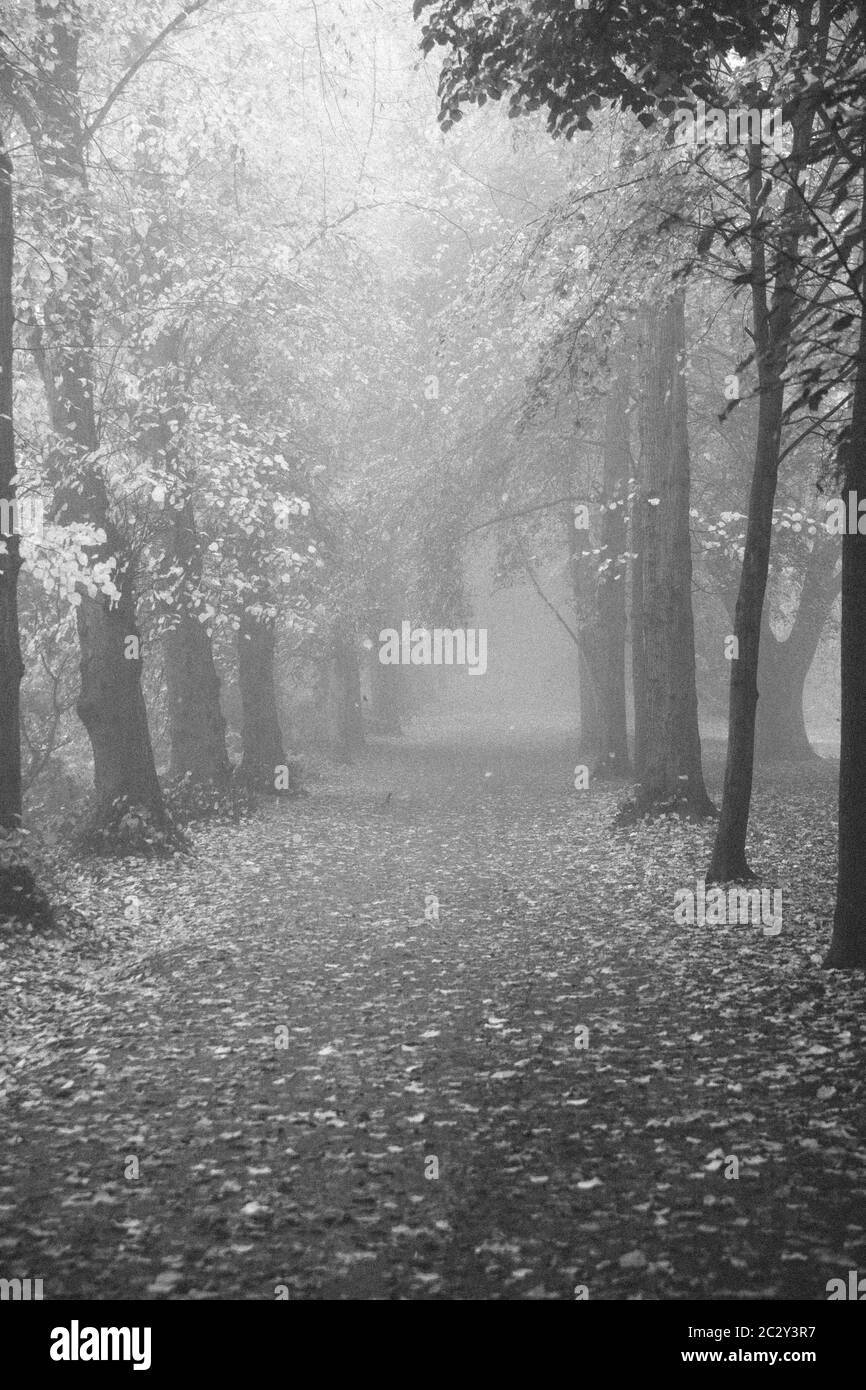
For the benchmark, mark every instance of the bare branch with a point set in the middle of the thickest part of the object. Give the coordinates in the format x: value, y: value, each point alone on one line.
x: 531, y: 575
x: 120, y: 87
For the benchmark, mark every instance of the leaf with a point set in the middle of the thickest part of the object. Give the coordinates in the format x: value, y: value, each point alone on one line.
x: 164, y: 1282
x: 635, y: 1259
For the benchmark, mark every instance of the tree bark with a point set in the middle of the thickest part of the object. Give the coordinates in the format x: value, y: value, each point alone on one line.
x: 613, y: 759
x: 588, y: 657
x: 638, y: 643
x: 784, y: 666
x: 11, y: 665
x: 196, y: 724
x: 197, y: 729
x: 111, y: 707
x: 671, y: 775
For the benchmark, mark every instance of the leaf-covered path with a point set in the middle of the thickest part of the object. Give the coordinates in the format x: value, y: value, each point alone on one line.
x: 284, y: 1043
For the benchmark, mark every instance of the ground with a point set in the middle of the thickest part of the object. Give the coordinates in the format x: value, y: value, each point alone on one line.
x: 249, y: 1091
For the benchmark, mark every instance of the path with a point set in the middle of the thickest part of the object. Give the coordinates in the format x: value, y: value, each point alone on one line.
x: 409, y: 1046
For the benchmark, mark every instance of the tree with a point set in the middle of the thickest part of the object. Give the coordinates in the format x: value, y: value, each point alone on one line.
x: 671, y: 776
x: 159, y: 418
x: 848, y: 944
x: 263, y: 751
x: 344, y: 693
x: 571, y: 60
x: 773, y: 315
x: 592, y: 730
x: 785, y: 663
x: 614, y: 760
x: 45, y: 93
x: 19, y: 895
x: 11, y: 665
x: 647, y: 59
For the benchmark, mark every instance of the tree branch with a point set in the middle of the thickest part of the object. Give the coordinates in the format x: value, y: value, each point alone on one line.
x: 120, y: 87
x: 543, y: 596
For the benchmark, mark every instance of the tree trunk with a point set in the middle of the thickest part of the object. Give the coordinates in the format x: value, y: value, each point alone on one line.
x: 344, y: 696
x: 11, y: 665
x: 264, y: 756
x: 111, y: 707
x: 588, y: 657
x: 196, y: 724
x: 613, y: 759
x: 197, y: 728
x: 384, y: 690
x: 781, y: 728
x: 848, y: 945
x: 638, y: 643
x: 672, y: 775
x: 784, y: 666
x: 772, y: 333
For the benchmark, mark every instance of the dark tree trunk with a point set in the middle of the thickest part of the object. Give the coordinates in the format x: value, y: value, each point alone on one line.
x: 772, y: 333
x: 264, y: 755
x: 196, y: 724
x: 111, y: 708
x: 848, y: 945
x: 697, y: 802
x: 672, y: 776
x: 781, y: 731
x: 344, y: 696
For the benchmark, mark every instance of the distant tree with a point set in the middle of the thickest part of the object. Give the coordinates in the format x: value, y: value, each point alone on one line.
x: 785, y: 662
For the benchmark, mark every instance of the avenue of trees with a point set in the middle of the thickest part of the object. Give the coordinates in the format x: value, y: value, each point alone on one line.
x: 276, y: 353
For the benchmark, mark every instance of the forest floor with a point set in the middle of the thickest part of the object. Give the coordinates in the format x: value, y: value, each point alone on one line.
x: 249, y: 1092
